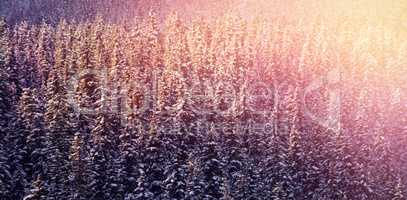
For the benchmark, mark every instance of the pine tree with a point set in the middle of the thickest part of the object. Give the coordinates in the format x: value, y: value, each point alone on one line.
x: 151, y: 166
x: 5, y: 174
x: 32, y: 115
x: 61, y: 49
x: 4, y: 44
x: 232, y: 158
x: 211, y: 168
x: 59, y: 120
x: 78, y: 168
x: 5, y: 87
x: 38, y: 191
x: 201, y: 73
x: 6, y: 71
x: 176, y: 171
x: 399, y: 192
x: 283, y: 160
x: 104, y: 175
x: 24, y: 55
x: 174, y: 81
x: 17, y: 156
x: 199, y: 37
x: 176, y: 51
x: 121, y: 77
x: 129, y: 154
x: 43, y: 53
x: 260, y: 150
x: 152, y: 50
x: 14, y: 178
x: 6, y: 99
x: 152, y: 60
x: 88, y: 80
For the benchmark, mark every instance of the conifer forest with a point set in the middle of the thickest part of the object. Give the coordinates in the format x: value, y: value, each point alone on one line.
x: 203, y: 100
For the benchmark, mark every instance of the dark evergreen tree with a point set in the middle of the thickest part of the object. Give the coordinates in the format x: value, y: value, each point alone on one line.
x: 232, y: 158
x: 211, y: 174
x: 6, y: 100
x: 32, y: 115
x: 176, y: 172
x: 130, y: 158
x: 24, y: 55
x: 60, y: 126
x: 17, y: 156
x: 78, y: 168
x: 43, y: 53
x: 399, y: 191
x: 105, y: 161
x: 151, y: 167
x: 38, y: 190
x: 13, y: 152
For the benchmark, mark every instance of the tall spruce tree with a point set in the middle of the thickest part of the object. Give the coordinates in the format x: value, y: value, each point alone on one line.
x: 60, y: 126
x: 78, y: 168
x: 176, y: 172
x: 43, y: 53
x: 211, y: 173
x: 38, y: 190
x: 13, y: 135
x: 32, y: 114
x: 152, y: 163
x: 6, y: 100
x: 104, y: 179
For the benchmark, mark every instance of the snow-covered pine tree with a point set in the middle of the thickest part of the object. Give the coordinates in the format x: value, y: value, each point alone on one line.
x: 176, y: 170
x: 155, y: 162
x: 38, y: 190
x: 173, y: 82
x: 211, y: 174
x: 146, y: 145
x: 176, y: 50
x: 43, y: 53
x: 60, y: 126
x: 382, y: 177
x: 399, y: 191
x: 104, y: 175
x: 4, y: 75
x: 78, y: 168
x: 217, y: 48
x: 234, y: 50
x: 6, y: 100
x: 5, y: 47
x: 130, y: 159
x: 195, y: 185
x: 232, y: 159
x: 284, y: 150
x: 24, y: 48
x: 152, y: 50
x: 200, y: 91
x: 251, y: 181
x: 199, y: 37
x: 142, y: 60
x: 124, y: 48
x: 86, y: 73
x: 17, y: 156
x: 61, y: 48
x: 31, y: 113
x: 5, y: 176
x: 13, y: 179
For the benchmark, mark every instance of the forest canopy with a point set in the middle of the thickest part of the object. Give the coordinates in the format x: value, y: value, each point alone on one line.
x: 102, y: 101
